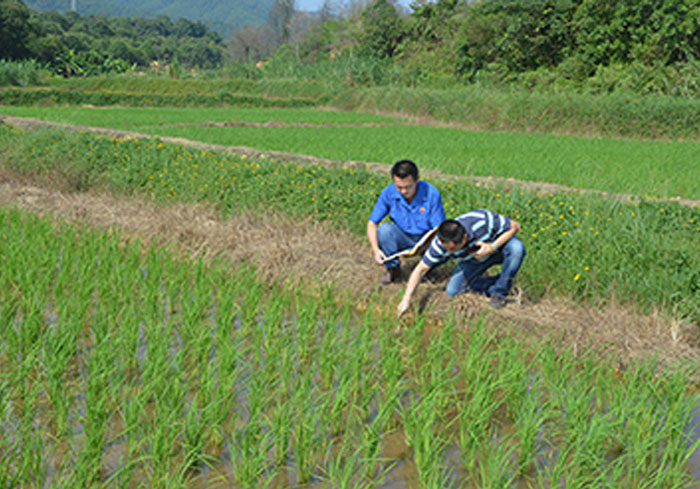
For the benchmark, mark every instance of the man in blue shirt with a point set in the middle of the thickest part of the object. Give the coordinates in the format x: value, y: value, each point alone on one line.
x: 414, y: 208
x: 479, y: 239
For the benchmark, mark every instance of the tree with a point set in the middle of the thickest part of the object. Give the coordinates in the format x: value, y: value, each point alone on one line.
x: 251, y: 43
x: 280, y: 18
x: 329, y: 10
x: 382, y: 29
x: 648, y: 31
x: 16, y: 30
x: 517, y: 35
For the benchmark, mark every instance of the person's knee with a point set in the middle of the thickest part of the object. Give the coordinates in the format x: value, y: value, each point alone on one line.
x: 452, y: 290
x: 384, y: 234
x: 515, y: 249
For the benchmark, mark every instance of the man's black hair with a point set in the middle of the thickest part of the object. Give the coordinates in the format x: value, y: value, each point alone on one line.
x: 451, y: 230
x: 404, y: 168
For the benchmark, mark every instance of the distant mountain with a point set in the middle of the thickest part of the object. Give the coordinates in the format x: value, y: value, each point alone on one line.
x: 222, y: 16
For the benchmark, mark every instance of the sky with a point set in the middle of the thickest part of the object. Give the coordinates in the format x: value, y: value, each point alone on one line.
x: 313, y: 5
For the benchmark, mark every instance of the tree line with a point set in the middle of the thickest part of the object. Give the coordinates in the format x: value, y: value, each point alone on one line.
x: 73, y: 44
x: 646, y: 46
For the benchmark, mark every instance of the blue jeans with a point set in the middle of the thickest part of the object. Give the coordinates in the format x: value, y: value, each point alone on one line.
x: 467, y: 275
x: 392, y: 239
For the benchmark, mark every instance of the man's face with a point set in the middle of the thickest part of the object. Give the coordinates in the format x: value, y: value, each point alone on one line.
x: 407, y: 187
x: 451, y: 246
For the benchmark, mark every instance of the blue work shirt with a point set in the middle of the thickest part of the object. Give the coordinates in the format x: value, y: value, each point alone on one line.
x: 424, y: 213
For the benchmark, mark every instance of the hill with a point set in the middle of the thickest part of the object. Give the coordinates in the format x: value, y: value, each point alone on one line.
x: 222, y: 16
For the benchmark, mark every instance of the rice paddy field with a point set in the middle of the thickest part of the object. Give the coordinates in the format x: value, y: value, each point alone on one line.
x: 126, y: 365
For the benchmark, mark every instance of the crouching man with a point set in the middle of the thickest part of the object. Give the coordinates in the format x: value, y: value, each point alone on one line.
x: 414, y: 208
x: 479, y: 239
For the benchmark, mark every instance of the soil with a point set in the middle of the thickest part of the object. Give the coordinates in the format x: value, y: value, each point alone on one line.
x: 288, y: 250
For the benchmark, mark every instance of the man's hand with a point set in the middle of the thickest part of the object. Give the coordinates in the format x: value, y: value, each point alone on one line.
x: 403, y: 306
x: 379, y: 256
x: 484, y: 250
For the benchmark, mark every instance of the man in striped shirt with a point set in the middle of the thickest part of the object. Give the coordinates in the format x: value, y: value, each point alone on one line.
x: 479, y: 239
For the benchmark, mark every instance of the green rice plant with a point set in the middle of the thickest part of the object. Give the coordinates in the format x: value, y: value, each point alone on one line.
x: 601, y: 163
x: 530, y: 419
x: 421, y: 421
x: 340, y: 469
x: 476, y: 413
x: 56, y: 355
x: 280, y: 421
x: 553, y: 467
x: 249, y: 447
x: 158, y: 367
x: 129, y: 411
x: 497, y: 468
x: 310, y: 438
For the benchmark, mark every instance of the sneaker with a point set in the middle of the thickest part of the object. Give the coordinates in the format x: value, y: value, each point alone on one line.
x: 497, y: 302
x: 391, y: 275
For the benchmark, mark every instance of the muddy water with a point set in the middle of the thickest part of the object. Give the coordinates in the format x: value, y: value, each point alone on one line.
x: 693, y: 432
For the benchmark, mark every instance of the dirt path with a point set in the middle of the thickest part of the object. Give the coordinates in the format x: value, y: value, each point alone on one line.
x: 346, y: 262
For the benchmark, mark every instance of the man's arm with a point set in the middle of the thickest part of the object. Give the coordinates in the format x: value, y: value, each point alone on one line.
x: 378, y: 254
x: 416, y: 276
x: 486, y: 249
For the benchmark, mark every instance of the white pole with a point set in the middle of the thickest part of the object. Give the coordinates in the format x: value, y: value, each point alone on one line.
x: 73, y: 5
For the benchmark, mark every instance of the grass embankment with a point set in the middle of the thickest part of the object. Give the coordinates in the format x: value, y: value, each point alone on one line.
x: 122, y: 366
x: 614, y: 115
x: 581, y: 246
x: 654, y: 169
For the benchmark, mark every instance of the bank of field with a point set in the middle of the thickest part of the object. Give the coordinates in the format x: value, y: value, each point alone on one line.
x: 653, y: 168
x: 585, y: 247
x: 124, y: 366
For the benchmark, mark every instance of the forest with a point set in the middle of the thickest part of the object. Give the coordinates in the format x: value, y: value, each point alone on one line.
x: 645, y: 47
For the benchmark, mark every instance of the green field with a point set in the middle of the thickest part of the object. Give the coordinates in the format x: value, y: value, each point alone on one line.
x: 644, y: 168
x: 122, y: 366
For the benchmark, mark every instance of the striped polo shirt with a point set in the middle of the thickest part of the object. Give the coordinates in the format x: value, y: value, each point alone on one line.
x: 481, y: 225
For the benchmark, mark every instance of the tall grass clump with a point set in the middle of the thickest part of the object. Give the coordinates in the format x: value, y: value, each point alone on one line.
x: 22, y: 73
x: 615, y: 115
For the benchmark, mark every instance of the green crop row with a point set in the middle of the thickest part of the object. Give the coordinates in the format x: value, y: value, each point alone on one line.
x: 122, y: 366
x: 16, y: 96
x: 584, y: 246
x: 145, y: 85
